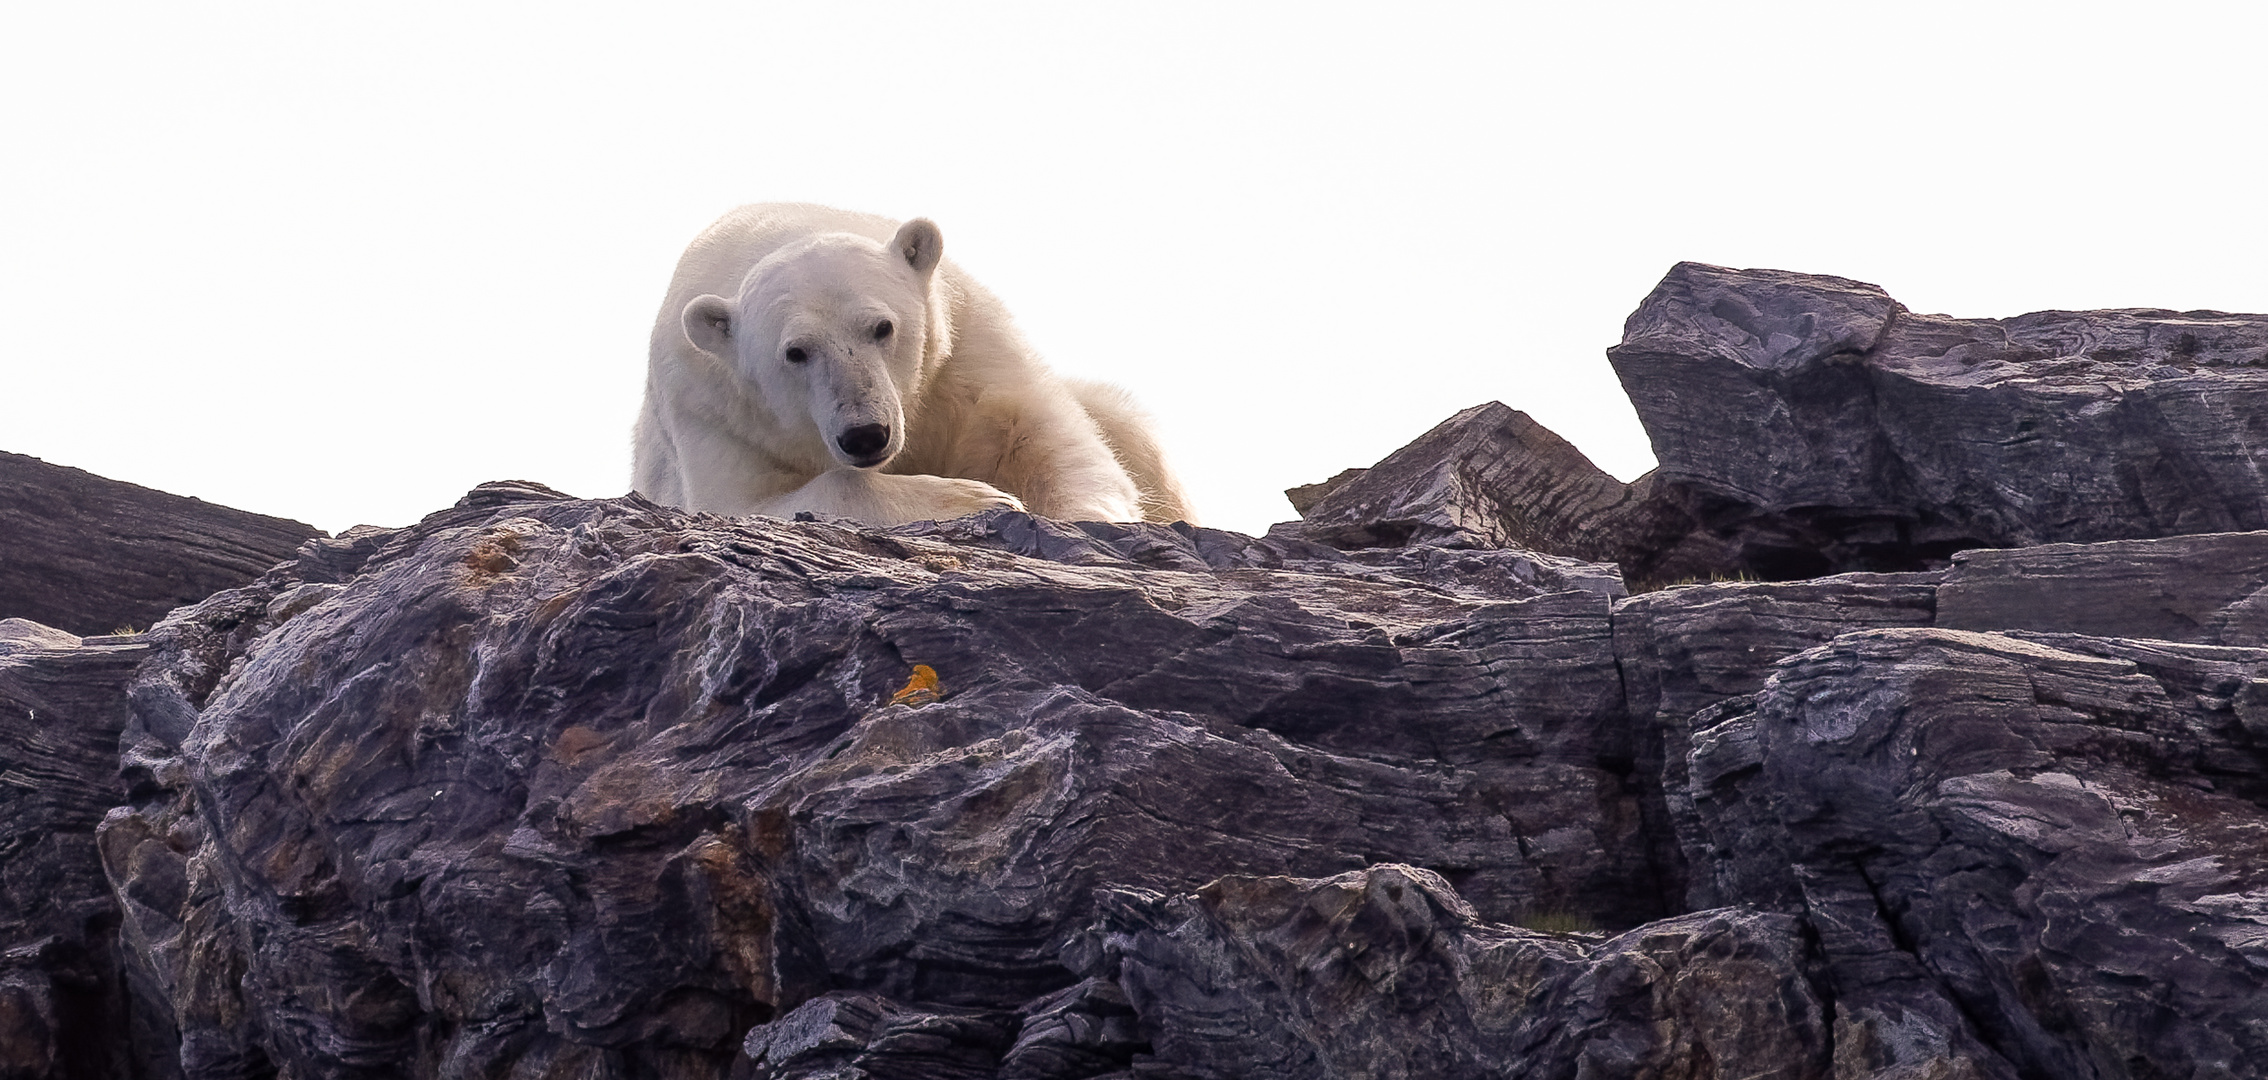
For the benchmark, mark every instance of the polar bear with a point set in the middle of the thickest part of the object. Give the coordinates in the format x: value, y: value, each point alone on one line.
x: 812, y: 359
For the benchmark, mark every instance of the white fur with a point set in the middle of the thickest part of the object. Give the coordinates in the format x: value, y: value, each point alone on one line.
x: 732, y: 425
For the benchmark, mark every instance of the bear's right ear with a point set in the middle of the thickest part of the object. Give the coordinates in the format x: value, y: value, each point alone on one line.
x: 708, y: 325
x: 920, y: 244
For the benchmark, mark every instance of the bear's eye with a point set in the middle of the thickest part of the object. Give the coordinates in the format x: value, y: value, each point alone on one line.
x: 796, y: 355
x: 882, y: 330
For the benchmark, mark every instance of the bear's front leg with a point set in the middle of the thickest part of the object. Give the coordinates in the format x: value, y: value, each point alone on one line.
x: 888, y: 499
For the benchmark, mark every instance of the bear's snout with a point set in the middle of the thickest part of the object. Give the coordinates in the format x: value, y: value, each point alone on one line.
x: 864, y: 443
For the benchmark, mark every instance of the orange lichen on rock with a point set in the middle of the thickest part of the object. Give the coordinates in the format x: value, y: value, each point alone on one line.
x: 920, y: 689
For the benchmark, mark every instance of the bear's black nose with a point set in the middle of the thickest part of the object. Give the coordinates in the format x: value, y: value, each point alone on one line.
x: 864, y: 441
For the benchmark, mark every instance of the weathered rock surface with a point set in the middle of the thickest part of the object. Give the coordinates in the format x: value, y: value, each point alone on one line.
x: 667, y: 741
x: 62, y: 1000
x: 1491, y: 476
x: 1817, y: 425
x: 91, y: 555
x: 1809, y: 425
x: 1192, y: 804
x: 2211, y: 590
x: 1685, y: 650
x: 2056, y: 848
x: 1386, y: 973
x: 543, y: 787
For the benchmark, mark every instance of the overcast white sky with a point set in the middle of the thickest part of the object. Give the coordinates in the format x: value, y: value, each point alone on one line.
x: 340, y: 264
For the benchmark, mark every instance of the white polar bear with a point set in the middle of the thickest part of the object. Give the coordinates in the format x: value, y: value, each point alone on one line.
x: 810, y: 359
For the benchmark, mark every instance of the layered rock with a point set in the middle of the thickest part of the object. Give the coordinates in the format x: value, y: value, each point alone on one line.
x: 91, y: 555
x: 1491, y: 476
x: 1809, y: 425
x: 667, y: 742
x: 1386, y: 973
x: 63, y: 1007
x: 543, y: 787
x: 2210, y: 590
x: 2053, y: 848
x: 1191, y: 804
x: 1686, y: 650
x: 1818, y: 425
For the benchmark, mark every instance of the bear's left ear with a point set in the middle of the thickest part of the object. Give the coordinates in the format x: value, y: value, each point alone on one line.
x: 708, y: 325
x: 920, y: 244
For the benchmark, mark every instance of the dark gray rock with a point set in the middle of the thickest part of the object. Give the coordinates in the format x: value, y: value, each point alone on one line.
x: 1386, y: 973
x: 91, y: 555
x: 1172, y: 775
x: 1305, y: 496
x: 2207, y: 589
x: 63, y: 1003
x: 547, y: 788
x: 664, y: 744
x: 1683, y: 650
x: 2040, y: 858
x: 1489, y: 476
x: 1492, y: 477
x: 1086, y: 1031
x: 853, y: 1034
x: 1482, y: 573
x: 1814, y: 424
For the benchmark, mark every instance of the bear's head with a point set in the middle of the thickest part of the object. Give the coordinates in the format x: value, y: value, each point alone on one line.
x: 833, y: 333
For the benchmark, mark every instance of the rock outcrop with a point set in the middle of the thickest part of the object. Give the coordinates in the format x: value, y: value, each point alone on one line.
x: 1809, y: 425
x: 1818, y: 425
x: 62, y: 997
x: 92, y: 556
x: 1491, y: 476
x: 1189, y: 804
x: 668, y: 741
x: 2052, y: 847
x: 543, y: 788
x: 2211, y: 590
x: 1385, y: 972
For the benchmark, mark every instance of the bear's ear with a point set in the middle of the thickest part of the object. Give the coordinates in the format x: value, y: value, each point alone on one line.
x: 708, y: 325
x: 920, y: 244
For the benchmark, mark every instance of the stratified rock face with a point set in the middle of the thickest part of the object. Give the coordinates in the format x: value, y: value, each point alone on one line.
x: 2056, y: 847
x: 91, y: 555
x: 1686, y: 650
x: 1385, y: 972
x: 553, y: 788
x: 2212, y: 590
x: 1818, y: 425
x: 584, y: 785
x: 63, y: 1008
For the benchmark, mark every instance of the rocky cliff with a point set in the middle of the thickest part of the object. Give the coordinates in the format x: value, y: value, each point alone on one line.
x: 1413, y: 787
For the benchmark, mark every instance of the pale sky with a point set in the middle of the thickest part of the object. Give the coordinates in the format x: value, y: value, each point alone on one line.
x: 342, y: 264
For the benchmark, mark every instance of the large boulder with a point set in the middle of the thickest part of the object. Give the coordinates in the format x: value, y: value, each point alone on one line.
x: 599, y: 785
x: 1809, y: 425
x: 1817, y: 425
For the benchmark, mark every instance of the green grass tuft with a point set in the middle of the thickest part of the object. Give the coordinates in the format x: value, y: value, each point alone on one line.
x: 1557, y: 922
